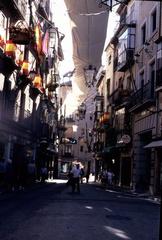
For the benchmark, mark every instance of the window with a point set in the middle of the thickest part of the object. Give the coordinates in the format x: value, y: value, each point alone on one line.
x: 152, y: 77
x: 68, y: 149
x: 153, y: 21
x: 2, y: 151
x: 143, y: 34
x: 109, y: 60
x: 108, y: 87
x: 81, y: 148
x: 120, y: 85
x: 132, y: 14
x: 126, y: 41
x: 141, y: 79
x: 3, y: 20
x: 128, y: 83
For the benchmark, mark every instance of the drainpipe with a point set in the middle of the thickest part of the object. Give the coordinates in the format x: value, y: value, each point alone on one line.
x: 160, y: 40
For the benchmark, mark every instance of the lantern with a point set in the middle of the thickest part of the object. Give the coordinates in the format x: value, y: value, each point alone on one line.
x: 10, y: 49
x: 37, y: 81
x: 25, y: 68
x: 89, y: 73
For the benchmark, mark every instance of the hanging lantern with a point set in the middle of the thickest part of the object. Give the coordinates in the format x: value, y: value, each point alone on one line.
x: 10, y: 49
x: 37, y: 81
x: 25, y: 68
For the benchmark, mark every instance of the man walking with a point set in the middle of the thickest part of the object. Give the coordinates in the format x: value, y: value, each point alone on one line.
x: 76, y: 178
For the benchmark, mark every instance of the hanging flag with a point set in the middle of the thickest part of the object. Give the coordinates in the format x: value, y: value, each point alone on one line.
x: 37, y: 82
x: 38, y: 39
x: 10, y: 49
x: 60, y: 54
x: 45, y: 43
x: 25, y: 68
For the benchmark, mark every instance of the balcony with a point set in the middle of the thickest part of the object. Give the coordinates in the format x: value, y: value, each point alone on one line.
x: 14, y: 8
x: 125, y: 60
x: 119, y: 96
x: 70, y: 120
x: 142, y: 98
x: 68, y: 155
x: 126, y: 46
x: 128, y: 20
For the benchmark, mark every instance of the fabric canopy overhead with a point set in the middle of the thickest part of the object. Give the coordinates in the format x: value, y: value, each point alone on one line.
x: 154, y: 144
x: 88, y: 27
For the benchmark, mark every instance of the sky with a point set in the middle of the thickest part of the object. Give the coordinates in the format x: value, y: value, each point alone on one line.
x: 62, y: 22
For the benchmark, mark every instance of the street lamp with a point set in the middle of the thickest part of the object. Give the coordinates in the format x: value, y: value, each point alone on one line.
x: 89, y: 73
x: 111, y: 3
x: 82, y: 111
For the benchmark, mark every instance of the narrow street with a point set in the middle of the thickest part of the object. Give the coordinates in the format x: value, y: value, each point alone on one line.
x: 50, y: 212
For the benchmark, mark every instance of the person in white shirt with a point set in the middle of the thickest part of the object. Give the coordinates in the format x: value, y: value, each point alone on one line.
x: 76, y: 178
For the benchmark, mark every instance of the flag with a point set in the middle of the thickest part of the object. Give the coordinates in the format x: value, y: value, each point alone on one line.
x: 38, y: 39
x: 60, y: 54
x: 45, y: 43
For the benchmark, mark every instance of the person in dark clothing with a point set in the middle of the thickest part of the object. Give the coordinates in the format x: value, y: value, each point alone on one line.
x: 81, y: 175
x: 9, y: 175
x: 76, y: 178
x: 87, y: 176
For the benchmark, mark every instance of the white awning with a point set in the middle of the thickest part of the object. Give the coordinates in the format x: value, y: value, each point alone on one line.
x: 154, y: 144
x: 88, y: 27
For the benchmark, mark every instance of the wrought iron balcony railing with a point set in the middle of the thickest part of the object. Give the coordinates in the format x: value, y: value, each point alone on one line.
x: 125, y: 59
x: 143, y: 97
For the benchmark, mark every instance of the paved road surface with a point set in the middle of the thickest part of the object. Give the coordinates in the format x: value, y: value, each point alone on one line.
x: 51, y: 212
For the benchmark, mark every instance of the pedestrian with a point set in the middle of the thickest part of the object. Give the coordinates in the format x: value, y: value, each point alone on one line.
x: 70, y: 180
x: 9, y: 175
x: 110, y: 176
x: 76, y: 178
x: 87, y: 176
x: 43, y: 174
x: 81, y: 174
x: 104, y: 177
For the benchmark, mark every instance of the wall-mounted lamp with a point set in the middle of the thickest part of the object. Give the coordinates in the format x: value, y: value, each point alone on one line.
x: 147, y: 49
x: 111, y: 3
x: 82, y: 111
x: 136, y: 57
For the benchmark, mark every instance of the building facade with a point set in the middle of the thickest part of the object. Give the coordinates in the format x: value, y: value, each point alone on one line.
x: 134, y: 95
x: 29, y: 56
